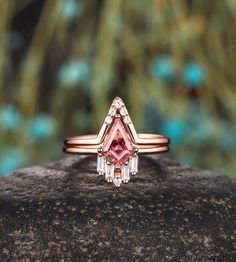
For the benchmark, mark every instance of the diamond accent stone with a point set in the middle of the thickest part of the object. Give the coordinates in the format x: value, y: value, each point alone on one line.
x: 127, y: 120
x: 118, y: 103
x: 134, y: 165
x: 108, y: 120
x: 117, y: 146
x: 123, y: 111
x: 109, y: 172
x: 125, y: 173
x: 112, y: 111
x: 117, y: 181
x: 100, y: 165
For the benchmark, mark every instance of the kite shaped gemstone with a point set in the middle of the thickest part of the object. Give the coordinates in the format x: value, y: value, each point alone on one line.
x: 117, y: 146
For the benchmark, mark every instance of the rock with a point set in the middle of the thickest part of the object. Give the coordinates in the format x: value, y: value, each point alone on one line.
x: 63, y: 211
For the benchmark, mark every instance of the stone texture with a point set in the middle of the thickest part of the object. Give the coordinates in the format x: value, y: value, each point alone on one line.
x: 63, y: 211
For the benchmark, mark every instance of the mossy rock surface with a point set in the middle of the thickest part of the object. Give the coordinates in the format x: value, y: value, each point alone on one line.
x: 63, y: 211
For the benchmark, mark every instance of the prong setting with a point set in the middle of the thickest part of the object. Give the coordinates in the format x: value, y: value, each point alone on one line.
x: 135, y: 150
x: 100, y: 151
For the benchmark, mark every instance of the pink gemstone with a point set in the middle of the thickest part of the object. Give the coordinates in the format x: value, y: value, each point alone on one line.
x: 117, y: 146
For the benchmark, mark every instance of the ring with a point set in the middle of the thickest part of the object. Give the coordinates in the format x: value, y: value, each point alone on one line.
x: 117, y: 145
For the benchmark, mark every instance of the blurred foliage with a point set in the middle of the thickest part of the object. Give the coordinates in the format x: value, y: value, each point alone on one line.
x: 173, y: 62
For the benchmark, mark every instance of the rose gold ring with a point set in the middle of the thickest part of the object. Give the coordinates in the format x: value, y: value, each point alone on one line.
x: 117, y: 145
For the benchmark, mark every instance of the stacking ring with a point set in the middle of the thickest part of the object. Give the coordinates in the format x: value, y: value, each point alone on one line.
x: 117, y: 145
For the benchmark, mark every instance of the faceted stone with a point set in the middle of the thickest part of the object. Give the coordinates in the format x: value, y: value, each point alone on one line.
x: 118, y: 103
x: 134, y: 165
x: 125, y: 173
x: 109, y: 172
x: 100, y: 164
x: 112, y: 111
x: 117, y: 146
x: 117, y: 181
x: 108, y: 120
x: 123, y: 111
x: 127, y: 119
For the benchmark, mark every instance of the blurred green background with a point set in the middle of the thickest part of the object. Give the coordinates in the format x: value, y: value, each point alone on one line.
x: 63, y: 61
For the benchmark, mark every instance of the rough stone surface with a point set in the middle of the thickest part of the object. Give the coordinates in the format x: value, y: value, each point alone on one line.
x: 64, y: 212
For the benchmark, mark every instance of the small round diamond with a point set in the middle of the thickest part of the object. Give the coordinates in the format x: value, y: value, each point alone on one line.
x: 108, y: 120
x: 127, y: 120
x: 117, y: 181
x: 123, y: 111
x: 112, y: 111
x: 118, y: 103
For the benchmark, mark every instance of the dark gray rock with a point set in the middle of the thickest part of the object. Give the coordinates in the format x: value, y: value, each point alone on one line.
x: 64, y: 212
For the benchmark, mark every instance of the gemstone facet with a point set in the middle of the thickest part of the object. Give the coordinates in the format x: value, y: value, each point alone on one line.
x: 117, y: 146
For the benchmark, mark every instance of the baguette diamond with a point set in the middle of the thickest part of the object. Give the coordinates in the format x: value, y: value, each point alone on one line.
x: 109, y: 172
x: 134, y: 165
x: 125, y: 173
x: 100, y: 165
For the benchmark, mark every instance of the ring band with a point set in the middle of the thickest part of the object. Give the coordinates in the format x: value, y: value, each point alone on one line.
x: 147, y: 149
x: 117, y: 145
x: 95, y: 139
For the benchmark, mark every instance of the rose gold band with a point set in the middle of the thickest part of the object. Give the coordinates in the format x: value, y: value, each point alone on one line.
x: 144, y: 149
x: 90, y: 139
x: 89, y: 144
x: 140, y: 139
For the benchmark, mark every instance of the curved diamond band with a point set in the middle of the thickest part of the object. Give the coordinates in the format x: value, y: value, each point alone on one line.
x: 117, y: 145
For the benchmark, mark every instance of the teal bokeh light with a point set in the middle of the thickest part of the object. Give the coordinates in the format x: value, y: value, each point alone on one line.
x: 12, y: 159
x: 174, y: 129
x: 42, y: 127
x: 73, y: 73
x: 162, y: 68
x: 193, y: 75
x: 10, y: 118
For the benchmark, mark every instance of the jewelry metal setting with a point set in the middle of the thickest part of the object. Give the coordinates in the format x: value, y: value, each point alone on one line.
x: 117, y: 145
